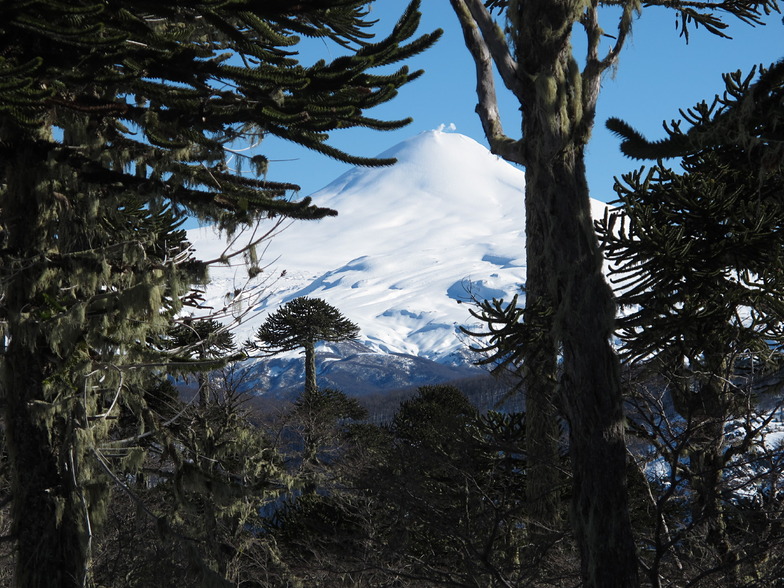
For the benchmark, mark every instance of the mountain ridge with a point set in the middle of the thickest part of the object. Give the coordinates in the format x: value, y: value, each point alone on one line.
x: 412, y: 243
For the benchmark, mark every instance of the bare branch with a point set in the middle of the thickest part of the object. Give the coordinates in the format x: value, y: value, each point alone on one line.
x: 487, y: 107
x: 230, y: 251
x: 495, y: 40
x: 590, y: 21
x: 706, y: 13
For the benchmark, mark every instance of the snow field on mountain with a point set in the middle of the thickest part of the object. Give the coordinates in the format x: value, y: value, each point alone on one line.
x: 410, y: 244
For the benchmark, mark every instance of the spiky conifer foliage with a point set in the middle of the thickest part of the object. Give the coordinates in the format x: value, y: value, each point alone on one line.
x: 749, y: 111
x: 115, y: 117
x: 698, y: 256
x: 301, y: 323
x: 174, y: 87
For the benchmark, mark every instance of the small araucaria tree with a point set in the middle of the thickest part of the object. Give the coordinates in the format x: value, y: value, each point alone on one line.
x: 208, y: 342
x: 301, y: 323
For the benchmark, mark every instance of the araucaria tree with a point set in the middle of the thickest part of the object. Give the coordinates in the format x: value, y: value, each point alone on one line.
x: 300, y: 324
x: 115, y: 119
x: 698, y: 255
x: 203, y: 340
x: 569, y: 307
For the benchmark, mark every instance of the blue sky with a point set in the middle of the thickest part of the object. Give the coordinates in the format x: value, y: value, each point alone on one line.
x: 658, y: 73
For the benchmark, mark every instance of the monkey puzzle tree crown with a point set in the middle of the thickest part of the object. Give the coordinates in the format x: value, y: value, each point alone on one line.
x: 699, y: 255
x: 177, y: 90
x: 301, y: 323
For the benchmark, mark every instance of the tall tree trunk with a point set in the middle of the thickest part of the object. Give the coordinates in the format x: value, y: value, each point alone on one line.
x: 50, y: 526
x: 583, y: 317
x: 51, y: 547
x: 707, y: 465
x: 204, y: 391
x: 543, y: 480
x: 310, y: 368
x: 706, y: 404
x: 558, y: 104
x: 533, y: 56
x: 52, y: 543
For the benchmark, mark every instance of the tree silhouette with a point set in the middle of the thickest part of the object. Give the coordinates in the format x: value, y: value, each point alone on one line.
x: 303, y: 322
x: 698, y: 256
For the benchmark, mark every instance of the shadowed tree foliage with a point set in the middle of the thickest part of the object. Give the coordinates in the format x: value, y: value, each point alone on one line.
x: 436, y: 498
x: 300, y: 324
x: 698, y: 256
x: 78, y: 322
x: 115, y: 118
x: 187, y: 516
x: 319, y: 416
x: 529, y: 48
x: 206, y: 341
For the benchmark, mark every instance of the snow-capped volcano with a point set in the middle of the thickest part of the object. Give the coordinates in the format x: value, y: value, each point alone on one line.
x: 411, y: 242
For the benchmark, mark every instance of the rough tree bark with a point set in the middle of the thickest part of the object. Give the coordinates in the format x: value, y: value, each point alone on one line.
x: 311, y: 386
x: 52, y: 543
x: 564, y: 262
x: 704, y: 398
x: 544, y: 480
x: 590, y: 387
